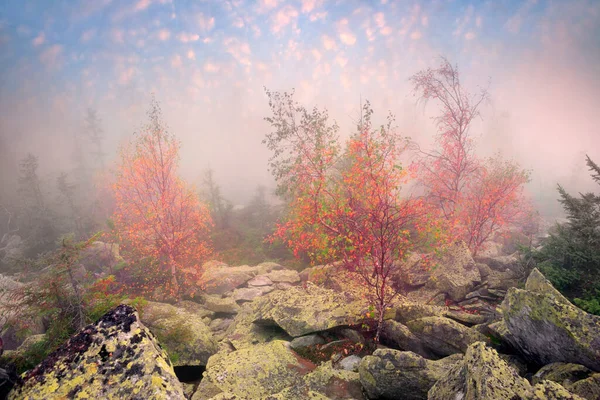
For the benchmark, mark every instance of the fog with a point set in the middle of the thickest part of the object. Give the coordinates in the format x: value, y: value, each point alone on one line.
x: 207, y: 63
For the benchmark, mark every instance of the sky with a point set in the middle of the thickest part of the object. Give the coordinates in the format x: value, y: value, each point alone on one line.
x: 207, y: 63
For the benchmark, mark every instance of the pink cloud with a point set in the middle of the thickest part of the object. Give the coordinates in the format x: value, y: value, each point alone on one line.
x: 416, y: 35
x: 205, y: 23
x: 51, y: 57
x: 164, y: 34
x: 328, y: 42
x: 39, y: 39
x: 191, y: 55
x: 188, y: 37
x: 87, y: 35
x: 470, y: 35
x: 345, y: 34
x: 283, y: 18
x: 317, y: 16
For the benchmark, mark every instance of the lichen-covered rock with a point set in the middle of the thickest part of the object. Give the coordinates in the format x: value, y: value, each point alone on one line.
x: 444, y: 336
x: 300, y: 311
x: 243, y: 332
x: 284, y: 275
x: 306, y: 341
x: 257, y: 371
x: 116, y: 358
x: 588, y: 388
x: 563, y: 373
x: 260, y: 280
x: 217, y: 304
x: 187, y: 339
x: 250, y: 293
x: 325, y: 382
x: 547, y: 328
x: 409, y: 311
x: 395, y: 334
x: 456, y: 274
x: 484, y: 375
x: 393, y: 374
x: 481, y: 375
x: 219, y: 278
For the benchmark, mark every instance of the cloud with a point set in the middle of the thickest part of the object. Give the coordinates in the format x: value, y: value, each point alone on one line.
x: 164, y: 34
x: 205, y: 23
x: 478, y: 21
x: 283, y: 18
x: 266, y: 5
x: 513, y: 24
x: 211, y: 67
x: 188, y: 37
x: 39, y: 39
x: 317, y: 16
x: 463, y: 22
x: 341, y: 60
x: 328, y: 42
x: 238, y: 49
x: 425, y: 20
x: 87, y: 35
x: 142, y: 5
x: 126, y: 75
x: 308, y: 6
x: 238, y: 22
x: 416, y: 35
x: 51, y: 57
x: 176, y: 61
x: 470, y: 35
x: 191, y: 55
x: 117, y: 36
x: 345, y: 34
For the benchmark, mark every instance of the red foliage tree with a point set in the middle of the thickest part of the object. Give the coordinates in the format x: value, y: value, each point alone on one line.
x: 476, y: 198
x: 157, y: 215
x: 345, y: 207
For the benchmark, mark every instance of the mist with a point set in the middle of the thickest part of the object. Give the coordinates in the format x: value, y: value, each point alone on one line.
x: 207, y: 64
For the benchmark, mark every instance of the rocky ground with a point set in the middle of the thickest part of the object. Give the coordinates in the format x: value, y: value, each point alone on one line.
x: 469, y: 329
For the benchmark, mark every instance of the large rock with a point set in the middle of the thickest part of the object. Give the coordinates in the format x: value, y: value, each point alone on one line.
x: 326, y: 383
x: 547, y: 328
x: 187, y: 339
x: 243, y: 332
x: 397, y: 335
x: 392, y: 374
x: 219, y: 279
x: 484, y: 375
x: 444, y: 336
x: 257, y: 371
x: 456, y: 274
x: 300, y: 311
x: 101, y: 257
x: 117, y: 357
x: 223, y: 305
x: 588, y: 388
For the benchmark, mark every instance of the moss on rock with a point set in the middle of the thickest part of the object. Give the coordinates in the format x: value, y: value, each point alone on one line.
x: 116, y: 358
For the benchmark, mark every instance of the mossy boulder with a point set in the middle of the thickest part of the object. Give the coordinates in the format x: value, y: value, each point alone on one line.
x: 443, y: 336
x: 324, y: 382
x: 563, y: 373
x: 187, y: 339
x: 243, y: 332
x: 257, y: 371
x: 219, y: 279
x: 456, y: 274
x: 116, y: 358
x: 300, y: 311
x: 547, y: 328
x: 397, y: 335
x: 588, y: 388
x: 218, y: 304
x: 393, y: 374
x: 484, y: 375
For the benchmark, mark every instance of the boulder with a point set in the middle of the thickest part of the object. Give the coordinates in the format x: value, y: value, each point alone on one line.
x: 443, y: 336
x: 187, y: 339
x: 409, y: 311
x: 484, y: 375
x: 284, y: 276
x: 118, y: 357
x: 306, y: 341
x: 456, y: 274
x: 325, y: 383
x: 218, y: 278
x: 547, y: 328
x: 243, y: 332
x: 217, y: 304
x: 563, y: 373
x: 588, y: 388
x: 257, y: 371
x: 260, y: 280
x: 250, y: 293
x: 300, y: 311
x: 350, y: 363
x: 392, y: 374
x: 101, y: 257
x: 397, y: 335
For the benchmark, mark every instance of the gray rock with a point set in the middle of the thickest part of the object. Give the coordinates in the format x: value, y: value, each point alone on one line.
x: 306, y: 341
x: 350, y: 363
x: 260, y: 280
